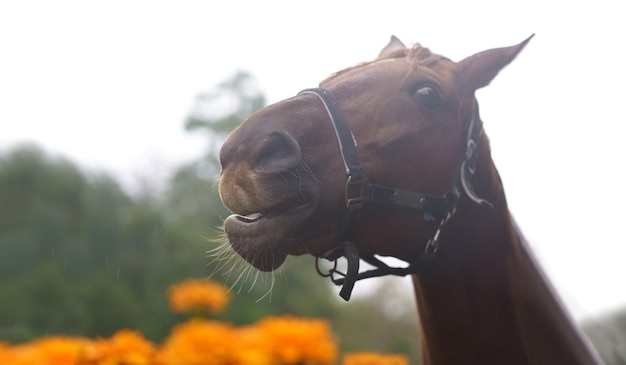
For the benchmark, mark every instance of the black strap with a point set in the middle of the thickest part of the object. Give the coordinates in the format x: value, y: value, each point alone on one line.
x: 354, y: 169
x: 468, y: 166
x: 404, y: 198
x: 358, y: 190
x: 352, y: 275
x: 347, y: 143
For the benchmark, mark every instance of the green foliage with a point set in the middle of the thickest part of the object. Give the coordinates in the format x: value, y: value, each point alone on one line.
x: 220, y: 110
x: 78, y: 255
x: 383, y: 321
x: 608, y: 335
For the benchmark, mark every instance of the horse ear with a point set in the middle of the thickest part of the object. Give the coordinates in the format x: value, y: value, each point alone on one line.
x: 478, y: 70
x: 394, y: 45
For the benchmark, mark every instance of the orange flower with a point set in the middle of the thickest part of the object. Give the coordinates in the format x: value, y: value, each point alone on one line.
x: 199, y: 341
x: 298, y: 340
x: 7, y: 355
x: 367, y: 358
x: 46, y: 351
x: 195, y: 294
x: 255, y: 348
x: 124, y: 347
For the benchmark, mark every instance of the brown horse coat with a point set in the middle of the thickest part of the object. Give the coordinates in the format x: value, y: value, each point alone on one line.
x: 483, y: 300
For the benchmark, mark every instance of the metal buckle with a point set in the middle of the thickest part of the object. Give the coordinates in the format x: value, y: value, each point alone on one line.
x: 355, y: 202
x: 471, y: 155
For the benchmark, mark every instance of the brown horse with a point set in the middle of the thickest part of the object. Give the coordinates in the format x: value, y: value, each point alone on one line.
x: 389, y: 158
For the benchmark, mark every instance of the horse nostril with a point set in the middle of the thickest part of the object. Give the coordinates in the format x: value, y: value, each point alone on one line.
x: 279, y: 152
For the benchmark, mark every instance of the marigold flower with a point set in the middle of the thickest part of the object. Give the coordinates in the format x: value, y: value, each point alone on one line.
x: 199, y: 341
x: 6, y: 353
x: 124, y: 347
x: 57, y: 350
x: 196, y: 295
x: 367, y: 358
x: 255, y: 348
x: 285, y: 340
x: 298, y: 340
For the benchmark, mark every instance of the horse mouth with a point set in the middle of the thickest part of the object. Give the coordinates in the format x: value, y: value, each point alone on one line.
x: 289, y: 206
x: 265, y: 238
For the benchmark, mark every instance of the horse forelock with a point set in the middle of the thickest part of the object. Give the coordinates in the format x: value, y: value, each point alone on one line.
x: 418, y: 53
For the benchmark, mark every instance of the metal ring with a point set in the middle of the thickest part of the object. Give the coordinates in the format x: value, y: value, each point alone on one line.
x: 330, y: 271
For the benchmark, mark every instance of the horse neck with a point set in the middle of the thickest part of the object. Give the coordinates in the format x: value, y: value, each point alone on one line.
x: 484, y: 299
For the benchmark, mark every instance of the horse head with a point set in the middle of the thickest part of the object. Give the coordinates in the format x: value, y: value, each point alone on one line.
x: 409, y: 111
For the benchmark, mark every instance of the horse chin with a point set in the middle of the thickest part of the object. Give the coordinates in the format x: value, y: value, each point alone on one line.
x: 265, y: 239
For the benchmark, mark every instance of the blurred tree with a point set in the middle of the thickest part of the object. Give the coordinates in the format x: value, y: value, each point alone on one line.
x: 218, y: 111
x: 78, y: 255
x: 608, y: 335
x: 192, y: 199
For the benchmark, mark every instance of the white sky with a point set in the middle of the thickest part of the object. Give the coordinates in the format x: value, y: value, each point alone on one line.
x: 109, y: 83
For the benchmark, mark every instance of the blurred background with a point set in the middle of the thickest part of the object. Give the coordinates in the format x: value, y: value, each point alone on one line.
x: 111, y: 115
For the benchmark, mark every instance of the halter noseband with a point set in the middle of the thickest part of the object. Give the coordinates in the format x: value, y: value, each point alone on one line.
x: 358, y: 190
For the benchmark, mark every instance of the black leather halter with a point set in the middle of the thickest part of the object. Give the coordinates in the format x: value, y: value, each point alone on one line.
x: 359, y: 190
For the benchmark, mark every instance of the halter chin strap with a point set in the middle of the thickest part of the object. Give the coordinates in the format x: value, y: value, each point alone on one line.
x: 359, y: 190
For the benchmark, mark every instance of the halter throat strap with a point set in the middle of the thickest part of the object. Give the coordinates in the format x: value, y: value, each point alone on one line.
x: 359, y: 190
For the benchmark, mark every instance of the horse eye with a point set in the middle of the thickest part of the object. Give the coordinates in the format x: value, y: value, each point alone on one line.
x: 428, y: 95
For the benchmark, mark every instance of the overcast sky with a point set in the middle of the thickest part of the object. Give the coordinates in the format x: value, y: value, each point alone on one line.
x: 108, y: 84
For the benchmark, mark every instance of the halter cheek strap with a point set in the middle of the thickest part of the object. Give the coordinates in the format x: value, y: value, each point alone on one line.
x: 359, y: 190
x: 347, y: 143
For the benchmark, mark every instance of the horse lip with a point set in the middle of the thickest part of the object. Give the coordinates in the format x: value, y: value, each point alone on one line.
x: 261, y: 238
x: 288, y: 206
x: 250, y: 218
